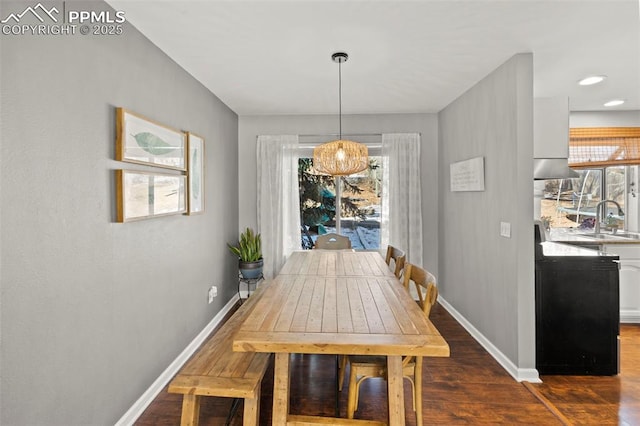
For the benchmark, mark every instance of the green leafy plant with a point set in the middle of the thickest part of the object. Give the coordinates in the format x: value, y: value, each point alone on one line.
x: 249, y: 248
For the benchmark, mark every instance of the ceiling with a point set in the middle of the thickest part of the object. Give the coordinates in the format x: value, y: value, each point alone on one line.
x: 274, y: 57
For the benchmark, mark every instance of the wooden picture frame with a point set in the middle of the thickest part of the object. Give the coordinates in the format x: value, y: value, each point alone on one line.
x: 144, y: 141
x: 143, y: 195
x: 195, y: 173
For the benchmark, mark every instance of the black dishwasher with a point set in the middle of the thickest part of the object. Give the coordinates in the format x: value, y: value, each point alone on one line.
x: 577, y: 309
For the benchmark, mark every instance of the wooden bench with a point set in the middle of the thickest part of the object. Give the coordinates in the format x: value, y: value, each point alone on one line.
x: 216, y: 370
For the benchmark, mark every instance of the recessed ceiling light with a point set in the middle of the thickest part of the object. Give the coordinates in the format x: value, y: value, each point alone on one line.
x: 593, y: 79
x: 614, y: 102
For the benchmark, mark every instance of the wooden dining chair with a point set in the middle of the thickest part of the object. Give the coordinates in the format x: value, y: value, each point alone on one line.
x: 399, y: 257
x: 332, y: 241
x: 366, y: 366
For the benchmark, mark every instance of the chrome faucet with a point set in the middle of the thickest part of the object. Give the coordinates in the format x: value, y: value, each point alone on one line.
x: 602, y: 203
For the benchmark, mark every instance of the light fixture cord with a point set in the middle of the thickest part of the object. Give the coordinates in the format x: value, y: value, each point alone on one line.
x: 340, y: 95
x: 336, y: 179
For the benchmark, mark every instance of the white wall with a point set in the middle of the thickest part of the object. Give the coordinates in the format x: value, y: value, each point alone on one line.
x: 487, y: 278
x: 604, y: 119
x: 92, y: 310
x: 426, y: 124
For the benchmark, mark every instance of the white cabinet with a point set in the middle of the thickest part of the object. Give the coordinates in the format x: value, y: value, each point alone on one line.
x: 551, y: 127
x: 551, y: 138
x: 629, y: 280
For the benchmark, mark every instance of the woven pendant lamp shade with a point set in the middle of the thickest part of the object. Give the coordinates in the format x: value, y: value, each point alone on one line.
x: 340, y: 158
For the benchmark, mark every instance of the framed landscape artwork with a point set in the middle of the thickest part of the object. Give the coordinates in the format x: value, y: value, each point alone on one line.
x: 195, y: 173
x: 143, y: 195
x: 144, y: 141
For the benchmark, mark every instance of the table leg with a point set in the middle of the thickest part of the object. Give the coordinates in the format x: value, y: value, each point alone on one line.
x: 395, y: 390
x: 281, y: 389
x: 190, y: 410
x: 338, y: 387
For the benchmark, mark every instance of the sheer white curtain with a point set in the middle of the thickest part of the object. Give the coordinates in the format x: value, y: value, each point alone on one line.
x: 278, y: 199
x: 401, y: 214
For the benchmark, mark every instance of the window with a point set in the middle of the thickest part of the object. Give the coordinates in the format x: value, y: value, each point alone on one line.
x: 360, y: 211
x: 607, y: 158
x: 572, y: 202
x: 614, y: 180
x: 604, y: 146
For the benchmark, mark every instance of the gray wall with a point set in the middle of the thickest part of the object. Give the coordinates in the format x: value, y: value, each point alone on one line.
x: 93, y: 311
x: 426, y: 124
x: 488, y: 278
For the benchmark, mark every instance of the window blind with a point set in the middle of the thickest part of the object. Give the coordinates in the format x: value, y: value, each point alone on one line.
x: 591, y: 147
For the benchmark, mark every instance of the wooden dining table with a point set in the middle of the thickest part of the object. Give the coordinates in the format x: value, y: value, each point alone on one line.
x: 340, y: 303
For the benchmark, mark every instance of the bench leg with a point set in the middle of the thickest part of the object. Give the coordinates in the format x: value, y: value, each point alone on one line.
x: 190, y: 410
x: 251, y: 415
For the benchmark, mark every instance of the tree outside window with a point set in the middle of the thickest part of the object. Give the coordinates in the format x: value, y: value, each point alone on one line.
x: 360, y: 205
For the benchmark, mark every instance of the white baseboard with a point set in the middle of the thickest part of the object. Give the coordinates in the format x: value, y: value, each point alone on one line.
x: 630, y: 316
x: 150, y: 394
x: 520, y: 374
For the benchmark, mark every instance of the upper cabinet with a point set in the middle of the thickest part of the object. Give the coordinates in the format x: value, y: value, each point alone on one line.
x: 551, y: 127
x: 551, y: 138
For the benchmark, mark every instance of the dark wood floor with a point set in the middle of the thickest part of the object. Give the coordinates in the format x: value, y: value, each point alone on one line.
x: 470, y: 387
x: 601, y: 400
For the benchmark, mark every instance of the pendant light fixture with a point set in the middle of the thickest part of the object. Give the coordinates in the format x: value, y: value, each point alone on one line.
x: 340, y: 157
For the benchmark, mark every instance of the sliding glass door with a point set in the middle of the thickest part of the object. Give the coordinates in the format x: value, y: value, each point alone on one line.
x: 360, y: 202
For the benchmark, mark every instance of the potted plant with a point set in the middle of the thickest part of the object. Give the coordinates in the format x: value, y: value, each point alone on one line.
x: 249, y: 252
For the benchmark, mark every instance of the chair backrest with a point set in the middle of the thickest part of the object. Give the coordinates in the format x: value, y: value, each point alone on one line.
x: 425, y: 284
x: 399, y: 257
x: 332, y: 241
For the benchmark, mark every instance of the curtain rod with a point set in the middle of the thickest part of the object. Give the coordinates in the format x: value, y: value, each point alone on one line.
x: 343, y: 135
x: 346, y: 134
x: 351, y: 134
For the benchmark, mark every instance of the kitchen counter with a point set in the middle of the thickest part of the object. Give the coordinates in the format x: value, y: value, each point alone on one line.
x: 625, y: 246
x: 550, y: 248
x: 581, y: 237
x: 577, y: 307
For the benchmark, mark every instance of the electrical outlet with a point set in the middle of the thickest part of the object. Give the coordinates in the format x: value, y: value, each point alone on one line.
x: 213, y: 292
